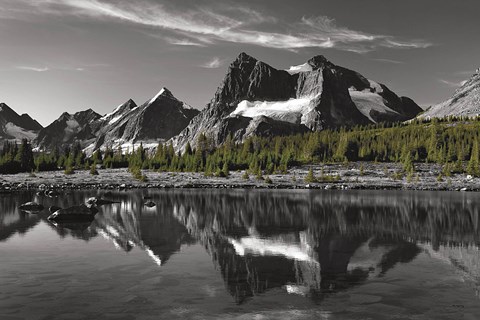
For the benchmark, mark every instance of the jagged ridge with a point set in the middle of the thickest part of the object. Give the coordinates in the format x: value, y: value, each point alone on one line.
x: 313, y: 96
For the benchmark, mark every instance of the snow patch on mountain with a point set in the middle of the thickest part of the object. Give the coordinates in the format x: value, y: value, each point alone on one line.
x: 376, y: 86
x: 292, y: 110
x: 18, y: 132
x: 300, y: 68
x: 367, y: 102
x: 125, y: 146
x: 108, y: 115
x: 187, y: 106
x: 72, y: 127
x: 115, y: 119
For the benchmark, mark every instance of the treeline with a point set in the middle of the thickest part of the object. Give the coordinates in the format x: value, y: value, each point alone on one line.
x: 16, y: 158
x: 451, y: 142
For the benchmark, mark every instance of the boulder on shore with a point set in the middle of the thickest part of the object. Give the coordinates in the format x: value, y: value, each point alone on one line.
x: 80, y: 213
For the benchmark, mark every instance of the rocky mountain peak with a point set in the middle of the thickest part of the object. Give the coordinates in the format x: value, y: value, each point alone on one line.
x: 130, y: 102
x: 87, y: 115
x: 319, y: 61
x: 244, y: 57
x: 244, y: 62
x: 64, y: 116
x: 163, y: 93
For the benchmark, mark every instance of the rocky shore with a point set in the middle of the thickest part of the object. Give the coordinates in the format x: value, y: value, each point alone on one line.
x: 383, y: 176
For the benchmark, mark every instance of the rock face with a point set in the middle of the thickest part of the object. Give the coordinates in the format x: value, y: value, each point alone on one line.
x: 465, y: 102
x: 67, y: 130
x: 255, y: 98
x: 17, y: 127
x: 157, y: 120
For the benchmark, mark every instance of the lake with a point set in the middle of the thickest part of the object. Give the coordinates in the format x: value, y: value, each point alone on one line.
x: 244, y: 254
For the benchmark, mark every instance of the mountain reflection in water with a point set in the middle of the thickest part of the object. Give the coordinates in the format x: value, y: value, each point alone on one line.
x: 310, y: 243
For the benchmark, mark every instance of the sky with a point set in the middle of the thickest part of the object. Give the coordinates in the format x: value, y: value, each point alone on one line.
x: 71, y: 55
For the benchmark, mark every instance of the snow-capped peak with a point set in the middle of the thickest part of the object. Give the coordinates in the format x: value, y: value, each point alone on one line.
x: 300, y: 68
x: 108, y: 115
x: 162, y: 91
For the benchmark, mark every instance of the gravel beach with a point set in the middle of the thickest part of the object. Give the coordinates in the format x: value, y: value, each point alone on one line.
x: 347, y: 176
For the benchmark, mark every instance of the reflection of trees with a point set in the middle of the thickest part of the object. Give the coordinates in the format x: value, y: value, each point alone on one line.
x: 312, y: 243
x: 437, y: 217
x: 337, y: 224
x: 12, y: 220
x: 19, y: 223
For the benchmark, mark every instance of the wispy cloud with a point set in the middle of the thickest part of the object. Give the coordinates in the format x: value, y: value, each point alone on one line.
x: 35, y: 69
x: 452, y: 84
x: 389, y: 61
x: 212, y: 64
x: 184, y: 42
x: 44, y: 69
x: 229, y: 24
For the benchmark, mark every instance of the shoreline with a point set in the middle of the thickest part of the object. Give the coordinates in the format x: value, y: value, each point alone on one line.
x: 353, y: 176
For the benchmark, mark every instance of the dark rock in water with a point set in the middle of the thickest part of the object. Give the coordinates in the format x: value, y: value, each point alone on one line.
x: 31, y: 206
x: 73, y: 214
x: 147, y: 197
x: 53, y: 209
x: 150, y: 204
x: 99, y: 202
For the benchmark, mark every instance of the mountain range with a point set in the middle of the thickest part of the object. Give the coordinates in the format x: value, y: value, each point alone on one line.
x: 157, y: 120
x: 254, y: 98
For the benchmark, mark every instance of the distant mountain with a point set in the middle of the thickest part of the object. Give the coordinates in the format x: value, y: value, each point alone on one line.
x: 67, y: 130
x: 255, y: 98
x: 16, y: 127
x: 465, y: 101
x: 157, y: 120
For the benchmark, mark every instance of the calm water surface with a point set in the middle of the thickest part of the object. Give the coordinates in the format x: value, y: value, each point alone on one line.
x: 209, y: 254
